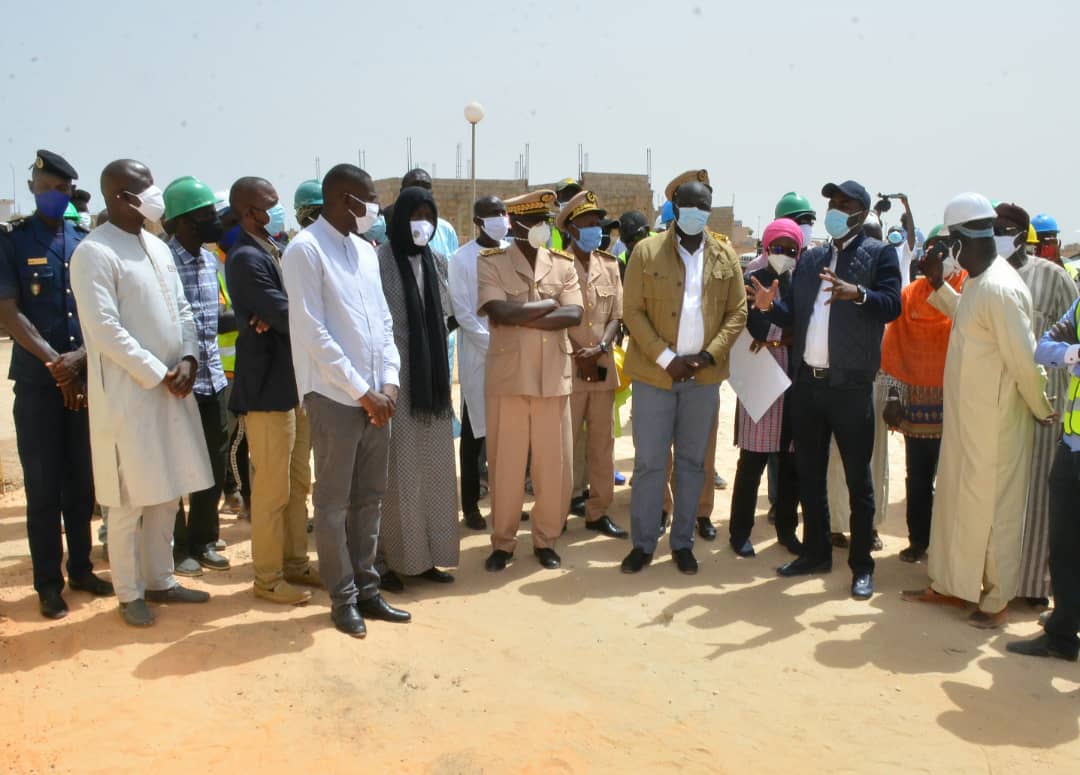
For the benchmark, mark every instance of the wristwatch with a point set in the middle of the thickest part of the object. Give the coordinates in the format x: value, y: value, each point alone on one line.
x: 862, y: 296
x: 604, y: 348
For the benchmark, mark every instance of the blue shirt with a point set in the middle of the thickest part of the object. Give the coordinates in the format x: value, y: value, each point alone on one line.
x: 34, y: 272
x: 1058, y: 355
x: 198, y: 274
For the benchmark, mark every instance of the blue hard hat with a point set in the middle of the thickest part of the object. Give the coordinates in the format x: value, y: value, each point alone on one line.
x: 667, y: 213
x: 1044, y: 224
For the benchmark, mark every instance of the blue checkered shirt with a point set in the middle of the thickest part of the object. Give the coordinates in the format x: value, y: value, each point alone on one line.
x: 200, y: 279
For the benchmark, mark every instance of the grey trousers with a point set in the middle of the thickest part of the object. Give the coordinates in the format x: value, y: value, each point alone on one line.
x: 684, y: 415
x: 350, y: 478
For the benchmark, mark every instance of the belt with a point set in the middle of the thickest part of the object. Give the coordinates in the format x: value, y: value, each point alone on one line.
x: 814, y: 372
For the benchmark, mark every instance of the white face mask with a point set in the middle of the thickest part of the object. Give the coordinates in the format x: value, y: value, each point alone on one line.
x: 538, y: 235
x: 1006, y: 245
x: 807, y: 232
x: 496, y: 227
x: 151, y: 203
x: 781, y: 263
x: 422, y: 232
x: 84, y: 220
x: 367, y: 220
x: 949, y: 267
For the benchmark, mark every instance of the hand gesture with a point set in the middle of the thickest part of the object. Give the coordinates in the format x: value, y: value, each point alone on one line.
x: 932, y: 267
x: 74, y: 394
x: 1050, y: 421
x: 760, y: 296
x: 260, y: 325
x: 1063, y: 332
x: 181, y: 378
x: 680, y: 369
x: 841, y: 290
x: 67, y: 367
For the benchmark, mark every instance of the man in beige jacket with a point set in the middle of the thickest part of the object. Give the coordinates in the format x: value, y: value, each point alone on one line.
x: 684, y: 305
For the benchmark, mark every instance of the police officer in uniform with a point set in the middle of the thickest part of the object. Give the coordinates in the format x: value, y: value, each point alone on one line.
x: 48, y: 365
x: 531, y: 296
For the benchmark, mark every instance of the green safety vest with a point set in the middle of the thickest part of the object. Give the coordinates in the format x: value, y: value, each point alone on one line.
x: 1071, y: 419
x: 226, y: 342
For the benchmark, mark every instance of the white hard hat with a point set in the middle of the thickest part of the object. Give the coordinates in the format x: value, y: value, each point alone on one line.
x: 968, y: 207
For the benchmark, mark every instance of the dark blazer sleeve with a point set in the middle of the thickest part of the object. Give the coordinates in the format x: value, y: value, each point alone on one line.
x: 883, y: 300
x: 255, y: 286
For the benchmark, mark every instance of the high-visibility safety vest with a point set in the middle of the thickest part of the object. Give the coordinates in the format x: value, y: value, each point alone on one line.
x: 1071, y: 419
x: 226, y: 342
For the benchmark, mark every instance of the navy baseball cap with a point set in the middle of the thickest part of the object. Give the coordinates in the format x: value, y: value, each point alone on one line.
x: 848, y: 188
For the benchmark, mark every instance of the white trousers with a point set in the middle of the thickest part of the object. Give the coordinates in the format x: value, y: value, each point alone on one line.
x: 140, y: 550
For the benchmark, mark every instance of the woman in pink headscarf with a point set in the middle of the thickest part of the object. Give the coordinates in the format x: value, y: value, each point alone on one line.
x: 782, y: 243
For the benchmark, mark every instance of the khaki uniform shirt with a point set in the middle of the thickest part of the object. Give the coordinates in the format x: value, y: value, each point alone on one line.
x: 601, y: 289
x: 524, y: 361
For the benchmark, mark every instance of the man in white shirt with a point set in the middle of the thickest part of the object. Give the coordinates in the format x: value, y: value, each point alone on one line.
x: 347, y: 376
x: 489, y: 215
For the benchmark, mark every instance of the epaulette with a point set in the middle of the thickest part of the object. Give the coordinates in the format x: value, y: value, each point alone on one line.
x: 9, y: 226
x: 561, y: 254
x: 718, y: 236
x: 492, y: 251
x: 609, y: 256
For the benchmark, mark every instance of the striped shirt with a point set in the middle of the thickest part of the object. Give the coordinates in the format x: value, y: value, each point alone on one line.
x: 198, y: 275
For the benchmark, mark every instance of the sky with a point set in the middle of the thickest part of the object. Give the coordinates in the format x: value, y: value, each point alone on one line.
x: 929, y: 98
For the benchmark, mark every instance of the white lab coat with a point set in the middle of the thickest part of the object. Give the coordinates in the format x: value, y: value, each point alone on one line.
x: 147, y: 445
x: 474, y: 336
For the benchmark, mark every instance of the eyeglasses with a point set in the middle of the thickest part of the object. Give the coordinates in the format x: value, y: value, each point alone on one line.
x: 780, y: 250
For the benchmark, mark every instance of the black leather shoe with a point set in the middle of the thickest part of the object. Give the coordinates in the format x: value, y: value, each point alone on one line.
x: 391, y: 582
x: 498, y: 560
x: 635, y: 561
x: 1042, y: 646
x: 706, y: 529
x: 95, y: 586
x: 913, y: 553
x: 685, y: 560
x: 577, y: 506
x: 862, y: 586
x: 349, y: 621
x: 744, y: 549
x: 804, y: 566
x: 548, y: 558
x: 605, y: 526
x: 663, y: 522
x: 377, y: 608
x: 211, y: 560
x: 438, y: 576
x: 475, y: 521
x: 52, y: 605
x: 177, y: 594
x: 791, y: 543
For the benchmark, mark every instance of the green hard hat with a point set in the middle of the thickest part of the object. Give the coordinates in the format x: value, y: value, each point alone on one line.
x: 792, y: 204
x: 186, y: 194
x: 937, y: 231
x: 308, y: 193
x: 70, y: 213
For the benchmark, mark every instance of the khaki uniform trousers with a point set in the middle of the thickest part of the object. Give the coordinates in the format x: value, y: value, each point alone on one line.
x: 279, y: 445
x: 708, y: 489
x: 592, y: 417
x: 517, y: 425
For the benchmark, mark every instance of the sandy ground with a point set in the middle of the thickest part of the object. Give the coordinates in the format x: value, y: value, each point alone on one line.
x: 573, y: 671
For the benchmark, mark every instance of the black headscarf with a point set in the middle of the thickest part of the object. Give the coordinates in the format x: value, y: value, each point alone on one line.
x: 429, y: 371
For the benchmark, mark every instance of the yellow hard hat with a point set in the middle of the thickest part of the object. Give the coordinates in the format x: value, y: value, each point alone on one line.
x: 1032, y: 238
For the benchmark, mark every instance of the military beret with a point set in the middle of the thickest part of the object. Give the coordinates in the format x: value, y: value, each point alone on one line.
x: 54, y: 164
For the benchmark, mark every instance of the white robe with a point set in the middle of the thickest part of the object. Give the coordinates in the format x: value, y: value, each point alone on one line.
x: 473, y: 337
x: 147, y: 446
x: 993, y: 392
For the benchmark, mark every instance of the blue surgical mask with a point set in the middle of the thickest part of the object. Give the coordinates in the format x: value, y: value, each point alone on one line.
x: 836, y: 223
x: 692, y: 220
x: 277, y: 220
x: 377, y: 233
x: 51, y: 203
x: 589, y: 238
x: 895, y: 237
x: 972, y: 233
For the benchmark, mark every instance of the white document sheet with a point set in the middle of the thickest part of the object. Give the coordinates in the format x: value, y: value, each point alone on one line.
x: 756, y: 378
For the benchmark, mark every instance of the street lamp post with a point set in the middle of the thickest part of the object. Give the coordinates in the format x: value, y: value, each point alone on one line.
x: 474, y: 113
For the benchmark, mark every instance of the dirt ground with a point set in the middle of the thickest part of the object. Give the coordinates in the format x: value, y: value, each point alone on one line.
x: 580, y: 670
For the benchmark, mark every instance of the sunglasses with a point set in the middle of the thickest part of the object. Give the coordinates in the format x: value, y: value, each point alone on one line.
x: 780, y: 250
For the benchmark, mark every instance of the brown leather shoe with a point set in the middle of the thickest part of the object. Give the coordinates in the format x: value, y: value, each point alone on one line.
x: 985, y: 621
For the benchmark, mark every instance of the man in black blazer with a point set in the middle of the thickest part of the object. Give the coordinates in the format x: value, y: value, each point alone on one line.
x: 264, y: 395
x: 841, y: 296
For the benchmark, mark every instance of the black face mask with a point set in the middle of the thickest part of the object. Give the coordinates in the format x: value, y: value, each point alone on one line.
x: 209, y: 231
